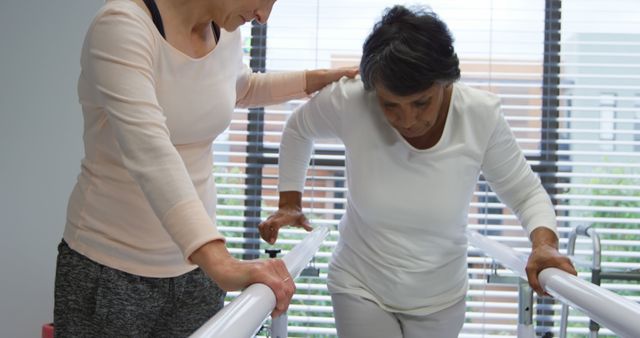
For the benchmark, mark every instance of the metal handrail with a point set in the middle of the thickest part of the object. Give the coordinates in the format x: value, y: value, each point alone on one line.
x: 590, y: 232
x: 243, y: 316
x: 609, y: 309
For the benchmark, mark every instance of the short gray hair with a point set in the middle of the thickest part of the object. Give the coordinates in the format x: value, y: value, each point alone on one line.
x: 408, y: 51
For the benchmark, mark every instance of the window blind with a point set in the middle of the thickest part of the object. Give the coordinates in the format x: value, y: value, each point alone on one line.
x: 568, y: 75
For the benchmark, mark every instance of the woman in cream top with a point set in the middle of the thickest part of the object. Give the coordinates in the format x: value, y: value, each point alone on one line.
x: 156, y: 90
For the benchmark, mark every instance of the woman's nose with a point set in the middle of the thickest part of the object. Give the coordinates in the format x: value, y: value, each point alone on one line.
x: 407, y: 119
x: 262, y: 14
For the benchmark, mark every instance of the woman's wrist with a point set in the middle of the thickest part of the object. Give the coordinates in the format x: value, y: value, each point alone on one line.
x: 318, y: 78
x: 314, y: 79
x: 211, y: 256
x: 544, y: 236
x: 290, y: 200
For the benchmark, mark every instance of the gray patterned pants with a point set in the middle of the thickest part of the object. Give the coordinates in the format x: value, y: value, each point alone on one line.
x: 93, y: 300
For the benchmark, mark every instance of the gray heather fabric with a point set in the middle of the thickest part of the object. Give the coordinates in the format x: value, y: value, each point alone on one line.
x: 357, y: 317
x: 93, y: 300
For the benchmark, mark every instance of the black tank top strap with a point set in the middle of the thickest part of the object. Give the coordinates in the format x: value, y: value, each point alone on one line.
x: 157, y: 20
x: 155, y: 16
x: 216, y: 31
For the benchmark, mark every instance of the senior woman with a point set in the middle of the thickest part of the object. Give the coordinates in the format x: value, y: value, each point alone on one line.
x: 141, y: 255
x: 415, y: 142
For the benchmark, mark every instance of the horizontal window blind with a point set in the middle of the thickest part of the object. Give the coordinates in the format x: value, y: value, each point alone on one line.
x: 598, y: 176
x: 568, y: 76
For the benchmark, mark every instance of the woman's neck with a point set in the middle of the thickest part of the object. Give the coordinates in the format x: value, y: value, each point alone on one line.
x: 191, y: 15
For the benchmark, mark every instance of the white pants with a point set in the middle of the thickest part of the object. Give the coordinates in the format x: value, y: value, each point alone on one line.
x: 357, y: 317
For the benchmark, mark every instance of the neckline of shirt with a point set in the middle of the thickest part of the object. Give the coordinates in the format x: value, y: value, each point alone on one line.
x: 445, y: 131
x: 157, y: 36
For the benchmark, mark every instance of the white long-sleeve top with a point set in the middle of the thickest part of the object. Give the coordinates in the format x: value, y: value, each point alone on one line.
x: 145, y: 198
x: 402, y: 239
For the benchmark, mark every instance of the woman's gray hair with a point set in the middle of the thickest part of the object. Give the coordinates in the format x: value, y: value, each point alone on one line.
x: 408, y: 51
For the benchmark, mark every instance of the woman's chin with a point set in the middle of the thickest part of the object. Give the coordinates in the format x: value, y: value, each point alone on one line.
x: 408, y: 134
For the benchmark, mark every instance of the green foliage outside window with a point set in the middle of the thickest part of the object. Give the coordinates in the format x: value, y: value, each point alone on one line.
x: 630, y: 209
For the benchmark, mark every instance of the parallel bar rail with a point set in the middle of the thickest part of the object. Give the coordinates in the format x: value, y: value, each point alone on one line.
x: 609, y: 309
x: 243, y: 316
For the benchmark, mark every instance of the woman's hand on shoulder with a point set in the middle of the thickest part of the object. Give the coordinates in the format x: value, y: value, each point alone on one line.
x: 318, y: 78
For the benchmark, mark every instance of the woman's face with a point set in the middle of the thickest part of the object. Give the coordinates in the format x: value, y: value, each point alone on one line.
x: 243, y: 11
x: 412, y: 115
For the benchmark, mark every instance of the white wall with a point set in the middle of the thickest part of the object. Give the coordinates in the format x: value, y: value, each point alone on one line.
x: 40, y: 150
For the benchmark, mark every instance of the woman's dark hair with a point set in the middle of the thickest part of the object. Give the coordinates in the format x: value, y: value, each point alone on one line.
x: 408, y: 51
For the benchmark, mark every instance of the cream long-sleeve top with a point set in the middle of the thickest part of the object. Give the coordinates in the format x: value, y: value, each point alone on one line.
x: 402, y: 238
x: 145, y: 198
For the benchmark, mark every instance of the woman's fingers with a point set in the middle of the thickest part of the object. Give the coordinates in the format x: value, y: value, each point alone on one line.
x: 282, y: 286
x: 544, y: 257
x: 305, y: 224
x: 270, y: 228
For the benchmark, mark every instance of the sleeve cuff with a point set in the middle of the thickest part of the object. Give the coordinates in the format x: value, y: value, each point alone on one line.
x: 289, y: 85
x: 287, y: 186
x: 272, y: 88
x: 533, y: 227
x: 190, y: 226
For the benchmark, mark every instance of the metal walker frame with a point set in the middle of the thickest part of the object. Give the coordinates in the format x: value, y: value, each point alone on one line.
x: 597, y: 275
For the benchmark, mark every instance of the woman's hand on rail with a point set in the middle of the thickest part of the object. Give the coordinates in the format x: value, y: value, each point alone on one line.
x: 318, y: 78
x: 289, y: 213
x: 232, y: 274
x: 544, y: 254
x: 284, y: 216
